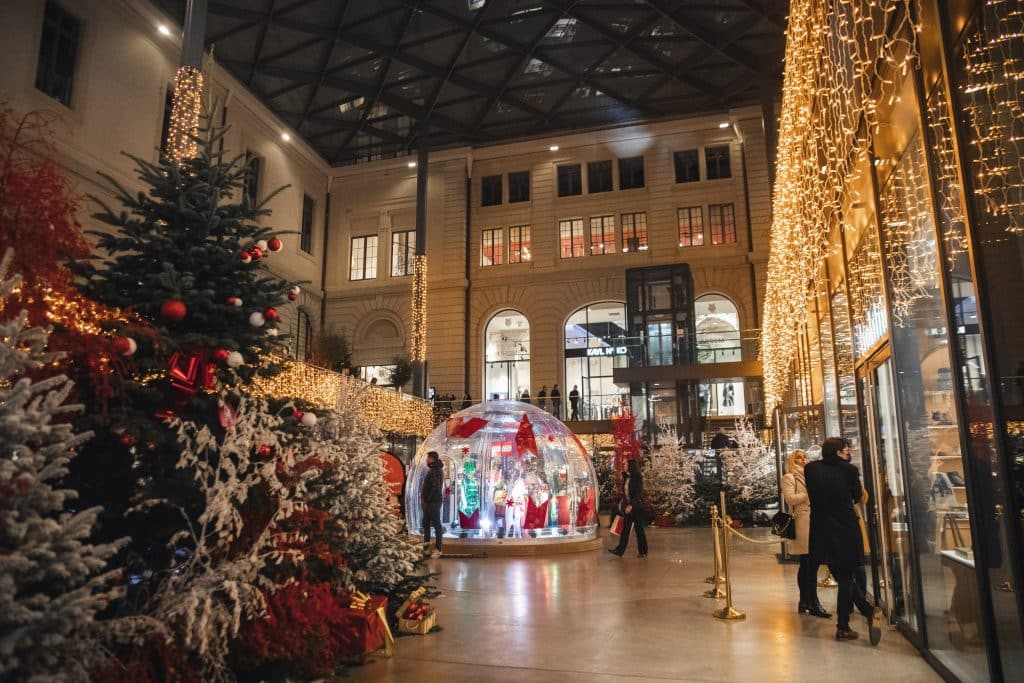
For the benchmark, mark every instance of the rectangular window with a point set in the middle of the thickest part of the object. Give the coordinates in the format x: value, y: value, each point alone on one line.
x: 634, y: 231
x: 687, y: 166
x: 599, y: 176
x: 363, y: 265
x: 691, y: 226
x: 306, y: 236
x: 716, y: 159
x: 492, y: 247
x: 570, y: 237
x: 602, y: 235
x: 58, y: 53
x: 403, y: 252
x: 490, y: 190
x: 723, y: 223
x: 569, y: 181
x: 519, y: 247
x: 251, y: 183
x: 518, y: 187
x: 631, y: 173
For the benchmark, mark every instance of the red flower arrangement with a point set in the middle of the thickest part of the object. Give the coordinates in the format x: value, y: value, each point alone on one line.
x: 157, y: 661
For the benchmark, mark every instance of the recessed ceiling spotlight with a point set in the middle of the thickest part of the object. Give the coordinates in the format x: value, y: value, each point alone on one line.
x: 723, y: 124
x: 553, y: 148
x: 285, y: 137
x: 164, y: 31
x: 411, y: 164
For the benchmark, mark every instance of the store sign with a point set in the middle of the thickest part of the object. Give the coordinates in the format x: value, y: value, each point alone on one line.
x: 501, y: 449
x: 597, y: 351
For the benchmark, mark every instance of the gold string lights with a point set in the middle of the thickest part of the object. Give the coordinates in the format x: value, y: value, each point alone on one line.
x: 392, y: 411
x: 841, y: 58
x: 185, y: 111
x: 418, y: 338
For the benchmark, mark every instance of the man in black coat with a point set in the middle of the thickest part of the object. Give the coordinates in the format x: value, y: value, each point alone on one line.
x: 432, y: 492
x: 833, y: 484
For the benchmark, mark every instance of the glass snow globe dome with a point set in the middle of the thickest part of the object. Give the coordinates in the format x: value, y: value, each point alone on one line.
x: 511, y: 472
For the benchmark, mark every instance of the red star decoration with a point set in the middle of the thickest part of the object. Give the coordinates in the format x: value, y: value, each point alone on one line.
x: 551, y: 437
x: 465, y: 449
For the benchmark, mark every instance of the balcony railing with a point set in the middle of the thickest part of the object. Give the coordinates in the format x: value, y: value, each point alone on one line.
x: 702, y: 348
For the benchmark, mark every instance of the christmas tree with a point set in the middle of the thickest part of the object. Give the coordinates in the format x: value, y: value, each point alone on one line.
x: 187, y: 257
x: 53, y: 580
x: 749, y: 472
x: 669, y: 478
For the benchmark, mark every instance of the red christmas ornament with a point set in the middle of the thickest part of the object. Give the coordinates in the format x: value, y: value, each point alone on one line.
x: 297, y: 414
x: 292, y: 296
x: 274, y: 244
x: 265, y: 450
x: 128, y: 439
x: 221, y: 355
x: 124, y: 346
x: 246, y: 257
x: 256, y: 253
x: 270, y: 314
x: 234, y: 301
x: 173, y: 310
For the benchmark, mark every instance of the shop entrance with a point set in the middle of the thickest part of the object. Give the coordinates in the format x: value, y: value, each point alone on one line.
x: 888, y: 519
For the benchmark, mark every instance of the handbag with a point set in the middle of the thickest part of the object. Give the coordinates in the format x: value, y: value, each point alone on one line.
x: 617, y: 525
x: 784, y: 526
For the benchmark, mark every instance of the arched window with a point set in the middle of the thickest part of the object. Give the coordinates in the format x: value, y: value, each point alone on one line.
x: 718, y: 329
x: 507, y: 355
x: 594, y: 345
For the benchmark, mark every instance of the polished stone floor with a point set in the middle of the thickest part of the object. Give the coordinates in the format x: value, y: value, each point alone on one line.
x: 595, y: 617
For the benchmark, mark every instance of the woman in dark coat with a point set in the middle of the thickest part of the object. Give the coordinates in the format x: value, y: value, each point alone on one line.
x: 833, y: 485
x: 632, y: 511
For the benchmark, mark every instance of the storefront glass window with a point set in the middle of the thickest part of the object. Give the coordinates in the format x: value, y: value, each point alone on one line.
x: 849, y: 416
x: 595, y: 343
x: 718, y: 329
x: 828, y: 364
x: 507, y: 349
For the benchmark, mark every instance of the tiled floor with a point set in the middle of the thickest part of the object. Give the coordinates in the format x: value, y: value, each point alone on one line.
x: 596, y: 617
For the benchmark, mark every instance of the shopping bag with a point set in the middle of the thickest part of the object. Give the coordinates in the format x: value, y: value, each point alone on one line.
x: 616, y: 527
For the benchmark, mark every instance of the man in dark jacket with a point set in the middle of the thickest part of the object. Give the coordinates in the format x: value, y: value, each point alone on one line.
x: 833, y: 485
x: 432, y: 492
x: 556, y: 401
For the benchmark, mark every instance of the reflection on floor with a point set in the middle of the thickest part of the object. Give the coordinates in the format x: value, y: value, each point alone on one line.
x: 596, y: 617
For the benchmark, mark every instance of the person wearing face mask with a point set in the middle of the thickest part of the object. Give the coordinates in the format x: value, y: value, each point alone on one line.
x: 794, y: 491
x: 833, y: 485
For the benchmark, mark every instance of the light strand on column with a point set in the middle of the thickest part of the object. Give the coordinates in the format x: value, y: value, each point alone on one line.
x: 418, y: 339
x: 185, y: 111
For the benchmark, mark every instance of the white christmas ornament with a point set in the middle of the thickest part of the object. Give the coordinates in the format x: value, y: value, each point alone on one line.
x: 262, y: 244
x: 308, y: 419
x: 271, y: 331
x: 235, y: 359
x: 296, y: 289
x: 256, y: 319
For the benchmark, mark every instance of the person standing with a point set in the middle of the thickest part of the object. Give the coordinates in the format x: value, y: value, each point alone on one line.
x: 574, y: 402
x: 542, y: 397
x: 467, y: 400
x: 525, y: 396
x: 556, y: 401
x: 432, y: 493
x: 794, y: 490
x: 833, y: 484
x: 632, y: 510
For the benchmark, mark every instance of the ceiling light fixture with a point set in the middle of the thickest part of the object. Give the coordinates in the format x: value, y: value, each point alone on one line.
x: 553, y: 148
x: 411, y: 164
x: 723, y: 124
x: 285, y: 137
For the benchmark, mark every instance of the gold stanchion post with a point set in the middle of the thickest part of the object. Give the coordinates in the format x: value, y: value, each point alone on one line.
x: 727, y: 612
x: 717, y: 579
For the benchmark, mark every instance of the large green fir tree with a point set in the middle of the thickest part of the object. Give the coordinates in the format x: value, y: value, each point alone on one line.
x: 188, y: 258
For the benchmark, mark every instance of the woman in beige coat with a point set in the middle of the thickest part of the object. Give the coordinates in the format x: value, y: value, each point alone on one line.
x: 794, y: 491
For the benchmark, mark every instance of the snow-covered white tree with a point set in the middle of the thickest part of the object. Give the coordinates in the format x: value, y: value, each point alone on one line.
x: 348, y: 483
x: 669, y: 477
x: 53, y: 581
x: 218, y: 579
x: 749, y: 471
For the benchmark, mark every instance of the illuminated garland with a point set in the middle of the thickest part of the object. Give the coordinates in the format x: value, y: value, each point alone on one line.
x: 418, y: 339
x: 995, y: 78
x: 390, y: 410
x: 840, y: 60
x: 185, y: 111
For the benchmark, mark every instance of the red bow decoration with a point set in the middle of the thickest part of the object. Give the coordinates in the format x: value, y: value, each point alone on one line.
x: 462, y: 428
x: 469, y: 521
x: 189, y: 372
x: 525, y: 441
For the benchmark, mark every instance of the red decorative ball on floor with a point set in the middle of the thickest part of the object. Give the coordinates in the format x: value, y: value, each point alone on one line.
x: 173, y: 310
x: 274, y: 244
x: 270, y: 314
x: 221, y: 355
